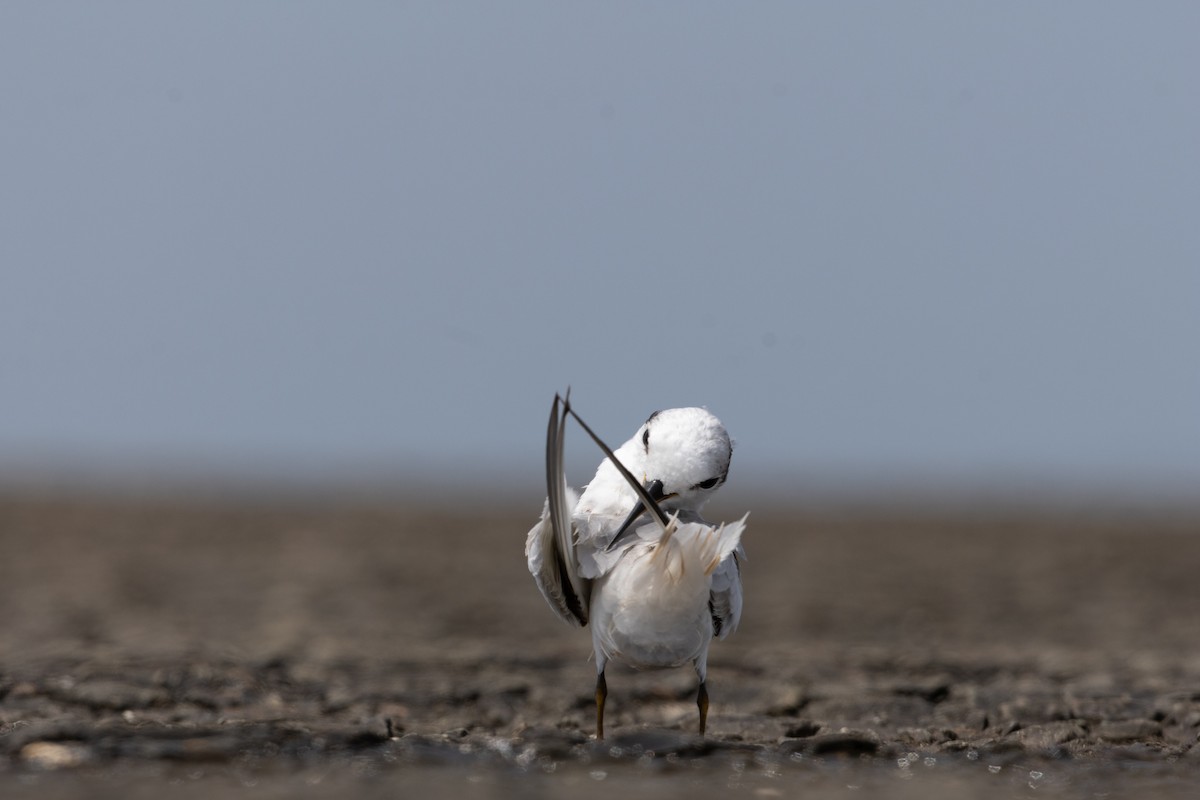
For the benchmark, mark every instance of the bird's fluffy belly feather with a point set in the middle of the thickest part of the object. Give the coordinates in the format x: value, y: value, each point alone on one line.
x: 652, y: 618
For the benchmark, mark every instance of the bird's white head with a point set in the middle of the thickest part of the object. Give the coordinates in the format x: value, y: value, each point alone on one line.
x: 688, y: 450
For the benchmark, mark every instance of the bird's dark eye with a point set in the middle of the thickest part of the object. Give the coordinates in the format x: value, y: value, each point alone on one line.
x: 646, y: 440
x: 708, y: 484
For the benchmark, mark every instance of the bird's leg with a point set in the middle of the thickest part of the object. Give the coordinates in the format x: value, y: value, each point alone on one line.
x: 601, y: 694
x: 702, y: 704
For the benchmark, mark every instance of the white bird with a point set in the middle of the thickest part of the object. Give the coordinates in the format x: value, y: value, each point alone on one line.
x: 657, y: 591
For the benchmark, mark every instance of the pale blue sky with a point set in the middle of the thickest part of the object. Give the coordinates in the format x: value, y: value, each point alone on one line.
x: 888, y: 243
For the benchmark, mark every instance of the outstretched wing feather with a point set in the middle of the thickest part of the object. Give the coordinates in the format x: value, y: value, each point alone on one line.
x: 550, y: 546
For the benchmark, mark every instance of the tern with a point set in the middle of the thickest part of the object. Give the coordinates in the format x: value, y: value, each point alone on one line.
x: 655, y: 591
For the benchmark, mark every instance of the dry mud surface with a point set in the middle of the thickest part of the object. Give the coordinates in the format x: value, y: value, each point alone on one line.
x: 308, y: 649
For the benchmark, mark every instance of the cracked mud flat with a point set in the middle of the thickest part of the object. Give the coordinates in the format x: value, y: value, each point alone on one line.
x: 275, y: 650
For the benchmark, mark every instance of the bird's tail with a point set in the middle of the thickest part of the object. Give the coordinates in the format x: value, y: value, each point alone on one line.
x: 693, y: 544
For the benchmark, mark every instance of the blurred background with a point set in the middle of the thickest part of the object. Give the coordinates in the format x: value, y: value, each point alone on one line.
x: 287, y: 288
x: 939, y: 250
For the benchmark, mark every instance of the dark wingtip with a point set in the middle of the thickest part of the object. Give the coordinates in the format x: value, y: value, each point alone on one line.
x: 569, y: 596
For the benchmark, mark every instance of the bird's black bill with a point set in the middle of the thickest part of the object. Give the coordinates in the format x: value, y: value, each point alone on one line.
x: 655, y: 491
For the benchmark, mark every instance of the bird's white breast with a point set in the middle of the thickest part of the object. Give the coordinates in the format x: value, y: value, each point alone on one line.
x: 651, y: 610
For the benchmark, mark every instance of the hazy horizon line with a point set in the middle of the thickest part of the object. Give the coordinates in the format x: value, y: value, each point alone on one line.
x: 488, y: 481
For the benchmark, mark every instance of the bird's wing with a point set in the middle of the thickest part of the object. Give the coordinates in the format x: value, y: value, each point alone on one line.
x: 725, y: 597
x: 550, y: 546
